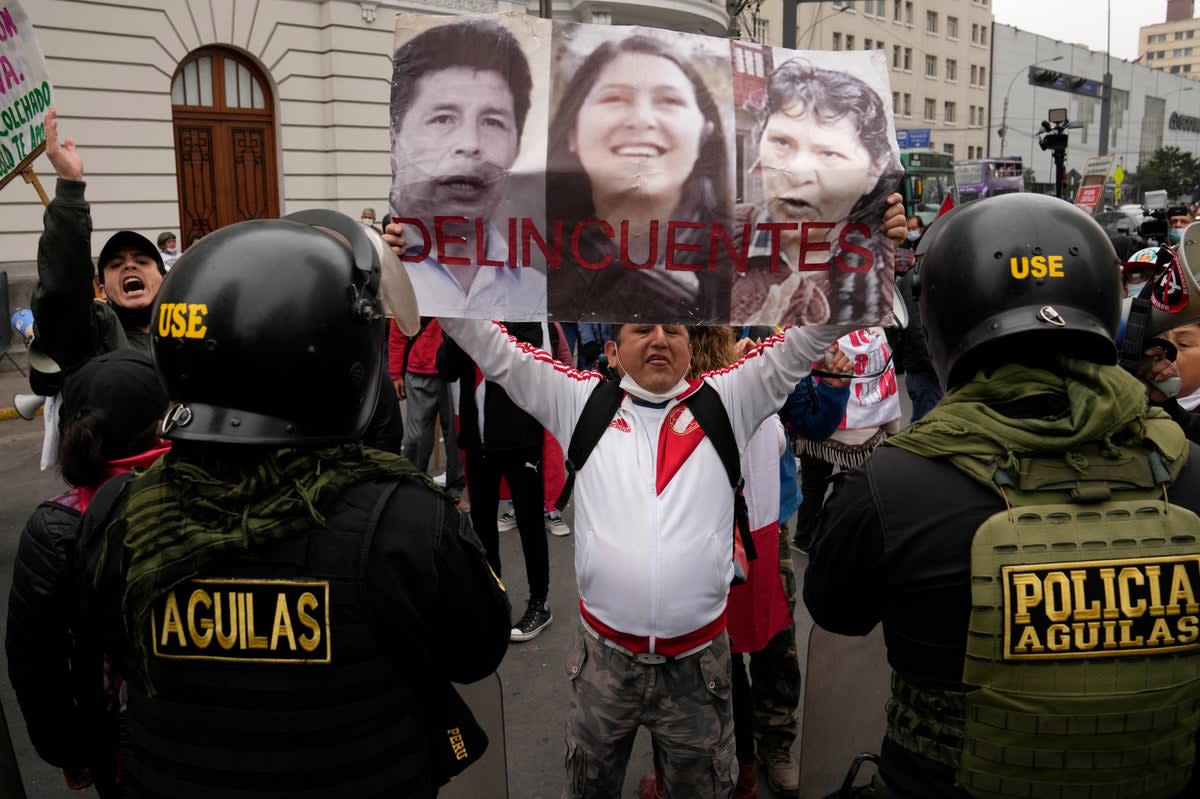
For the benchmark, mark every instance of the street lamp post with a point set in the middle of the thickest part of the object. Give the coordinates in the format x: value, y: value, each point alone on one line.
x: 1004, y: 116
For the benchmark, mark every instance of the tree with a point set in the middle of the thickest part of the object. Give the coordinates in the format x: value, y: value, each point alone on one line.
x: 739, y: 27
x: 1172, y: 169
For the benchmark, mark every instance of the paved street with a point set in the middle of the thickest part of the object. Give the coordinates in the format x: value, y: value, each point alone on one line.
x: 535, y: 689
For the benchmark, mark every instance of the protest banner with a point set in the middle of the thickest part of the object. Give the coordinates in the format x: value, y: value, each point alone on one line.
x: 547, y: 169
x: 25, y: 92
x: 1095, y: 178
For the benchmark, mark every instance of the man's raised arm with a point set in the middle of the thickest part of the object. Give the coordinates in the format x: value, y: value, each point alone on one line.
x: 548, y: 391
x: 65, y: 289
x: 759, y: 384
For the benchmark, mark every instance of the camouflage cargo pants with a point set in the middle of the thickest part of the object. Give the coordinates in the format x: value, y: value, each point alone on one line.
x: 685, y: 704
x: 775, y: 670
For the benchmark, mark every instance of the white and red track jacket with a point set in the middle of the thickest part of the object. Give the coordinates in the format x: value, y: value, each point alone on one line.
x: 653, y: 505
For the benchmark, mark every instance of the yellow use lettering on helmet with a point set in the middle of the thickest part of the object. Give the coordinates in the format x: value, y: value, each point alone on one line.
x: 182, y: 320
x: 1039, y: 266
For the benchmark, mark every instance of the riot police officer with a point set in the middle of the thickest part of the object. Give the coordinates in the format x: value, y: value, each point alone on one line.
x: 284, y: 604
x: 1040, y: 606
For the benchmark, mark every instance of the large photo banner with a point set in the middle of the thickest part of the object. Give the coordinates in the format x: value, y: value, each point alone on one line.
x: 555, y: 170
x: 24, y: 92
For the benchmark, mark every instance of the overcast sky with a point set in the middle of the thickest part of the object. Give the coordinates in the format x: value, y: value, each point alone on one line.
x: 1084, y: 21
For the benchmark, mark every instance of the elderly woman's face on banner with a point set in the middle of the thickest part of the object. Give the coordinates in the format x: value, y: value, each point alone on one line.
x: 813, y: 172
x: 639, y: 128
x: 455, y: 144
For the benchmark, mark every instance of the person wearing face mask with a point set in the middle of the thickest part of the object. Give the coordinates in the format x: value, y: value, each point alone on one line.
x: 653, y: 521
x: 168, y: 249
x: 1178, y: 218
x: 916, y: 229
x: 368, y: 219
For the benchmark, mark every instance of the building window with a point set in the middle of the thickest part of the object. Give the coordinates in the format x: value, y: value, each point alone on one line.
x: 930, y: 109
x: 1178, y: 35
x: 949, y: 149
x: 908, y: 59
x: 1175, y: 70
x: 951, y: 69
x: 951, y: 27
x: 983, y: 76
x: 1150, y: 56
x: 931, y: 22
x: 895, y: 102
x: 948, y: 112
x: 837, y: 41
x: 1187, y: 67
x: 974, y: 33
x: 849, y: 42
x: 908, y: 13
x: 983, y: 35
x: 868, y: 44
x: 762, y: 29
x: 896, y: 6
x: 907, y: 104
x: 974, y: 75
x: 971, y: 113
x: 931, y: 66
x: 896, y: 56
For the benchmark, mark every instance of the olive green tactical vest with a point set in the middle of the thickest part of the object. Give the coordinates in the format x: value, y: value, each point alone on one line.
x: 1082, y: 668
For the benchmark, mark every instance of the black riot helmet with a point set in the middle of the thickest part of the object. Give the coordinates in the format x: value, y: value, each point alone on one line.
x: 271, y: 332
x: 1013, y: 276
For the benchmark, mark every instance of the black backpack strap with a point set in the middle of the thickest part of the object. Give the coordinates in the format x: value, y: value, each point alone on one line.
x: 598, y: 411
x: 710, y: 414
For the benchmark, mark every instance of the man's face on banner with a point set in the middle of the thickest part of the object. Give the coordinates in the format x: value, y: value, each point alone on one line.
x: 455, y: 144
x: 639, y: 128
x: 813, y: 172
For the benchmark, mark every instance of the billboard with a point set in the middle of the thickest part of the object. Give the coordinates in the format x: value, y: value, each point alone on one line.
x: 545, y: 169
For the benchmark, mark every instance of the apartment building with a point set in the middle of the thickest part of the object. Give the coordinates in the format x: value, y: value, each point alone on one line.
x: 938, y: 51
x: 1173, y: 45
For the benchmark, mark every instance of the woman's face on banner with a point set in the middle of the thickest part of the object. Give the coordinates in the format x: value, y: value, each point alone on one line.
x: 813, y: 172
x: 639, y: 128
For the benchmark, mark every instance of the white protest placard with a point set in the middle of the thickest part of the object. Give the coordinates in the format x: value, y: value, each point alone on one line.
x: 549, y: 169
x: 25, y: 92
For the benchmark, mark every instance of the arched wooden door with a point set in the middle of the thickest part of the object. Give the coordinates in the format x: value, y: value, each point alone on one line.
x: 224, y: 142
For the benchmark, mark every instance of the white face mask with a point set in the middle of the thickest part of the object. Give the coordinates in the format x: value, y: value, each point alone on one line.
x: 367, y: 221
x: 634, y: 388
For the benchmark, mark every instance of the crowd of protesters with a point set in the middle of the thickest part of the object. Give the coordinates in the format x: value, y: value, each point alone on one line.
x: 314, y: 498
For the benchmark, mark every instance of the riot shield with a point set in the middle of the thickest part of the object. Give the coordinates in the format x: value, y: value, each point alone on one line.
x: 488, y: 778
x: 847, y: 686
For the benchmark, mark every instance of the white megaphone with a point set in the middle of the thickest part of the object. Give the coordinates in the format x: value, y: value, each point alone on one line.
x: 27, y: 405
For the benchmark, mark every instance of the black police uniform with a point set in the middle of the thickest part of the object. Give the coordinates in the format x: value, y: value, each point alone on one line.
x: 260, y: 691
x: 299, y: 643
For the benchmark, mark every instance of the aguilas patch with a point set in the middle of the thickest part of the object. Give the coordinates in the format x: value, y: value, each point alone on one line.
x: 1102, y: 608
x: 243, y: 620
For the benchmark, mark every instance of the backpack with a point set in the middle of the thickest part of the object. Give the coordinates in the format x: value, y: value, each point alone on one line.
x: 710, y: 414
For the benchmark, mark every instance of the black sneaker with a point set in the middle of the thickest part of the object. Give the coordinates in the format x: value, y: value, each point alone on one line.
x: 801, y: 543
x: 537, y: 617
